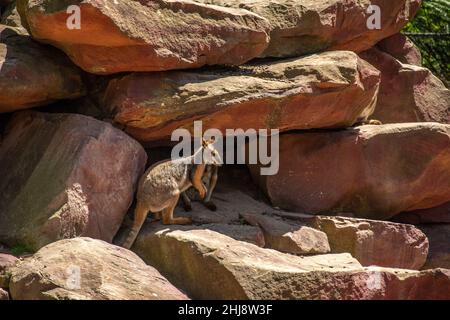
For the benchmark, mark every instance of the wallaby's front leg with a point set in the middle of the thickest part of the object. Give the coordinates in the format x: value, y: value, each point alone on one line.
x: 187, y: 204
x: 214, y: 172
x: 140, y: 214
x: 197, y: 180
x: 167, y: 214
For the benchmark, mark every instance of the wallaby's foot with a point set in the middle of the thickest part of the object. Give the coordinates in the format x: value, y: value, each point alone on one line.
x: 210, y: 205
x: 179, y: 220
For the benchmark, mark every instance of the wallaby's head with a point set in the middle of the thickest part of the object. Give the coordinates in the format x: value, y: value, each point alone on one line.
x: 210, y: 154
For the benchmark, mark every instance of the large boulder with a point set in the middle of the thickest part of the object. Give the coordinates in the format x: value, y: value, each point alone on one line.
x: 372, y: 172
x: 439, y: 237
x: 401, y: 48
x: 208, y: 265
x: 408, y: 93
x: 303, y: 26
x: 32, y: 74
x: 371, y: 242
x: 65, y: 175
x: 88, y: 269
x: 328, y: 90
x: 134, y: 35
x: 289, y: 237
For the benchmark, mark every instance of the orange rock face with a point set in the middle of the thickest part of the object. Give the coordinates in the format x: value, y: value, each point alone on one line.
x: 133, y: 35
x: 408, y: 93
x: 303, y: 27
x: 32, y: 74
x: 373, y: 172
x: 328, y: 90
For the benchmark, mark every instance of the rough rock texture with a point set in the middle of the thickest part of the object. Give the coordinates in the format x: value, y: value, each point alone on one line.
x: 371, y: 242
x: 136, y: 35
x: 4, y: 295
x: 328, y: 90
x: 209, y: 265
x: 373, y: 172
x: 65, y: 176
x: 87, y: 269
x: 383, y: 244
x: 33, y: 74
x: 306, y: 26
x: 439, y: 214
x: 289, y: 237
x: 439, y: 237
x: 230, y: 205
x: 408, y: 93
x: 401, y: 48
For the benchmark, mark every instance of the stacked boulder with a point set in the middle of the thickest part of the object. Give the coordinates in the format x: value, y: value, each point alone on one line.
x: 315, y: 70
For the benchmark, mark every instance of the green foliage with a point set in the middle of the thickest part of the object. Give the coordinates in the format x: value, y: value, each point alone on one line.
x: 430, y: 31
x: 20, y: 250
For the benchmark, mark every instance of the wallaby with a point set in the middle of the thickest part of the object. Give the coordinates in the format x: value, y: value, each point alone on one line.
x: 162, y: 184
x: 210, y: 180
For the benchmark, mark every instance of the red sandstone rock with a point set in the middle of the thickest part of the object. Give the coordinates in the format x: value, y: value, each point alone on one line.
x: 136, y: 35
x: 63, y: 176
x: 328, y: 90
x: 408, y: 93
x: 32, y: 74
x: 373, y: 172
x: 401, y: 48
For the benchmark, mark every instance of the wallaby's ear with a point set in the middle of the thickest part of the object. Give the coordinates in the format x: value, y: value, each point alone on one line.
x: 212, y: 140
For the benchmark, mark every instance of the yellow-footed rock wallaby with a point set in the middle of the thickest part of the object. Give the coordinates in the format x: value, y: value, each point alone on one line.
x: 162, y: 184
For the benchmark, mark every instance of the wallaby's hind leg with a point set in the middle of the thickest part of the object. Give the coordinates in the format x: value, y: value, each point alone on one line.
x: 167, y: 214
x: 212, y: 185
x: 187, y: 205
x: 140, y: 214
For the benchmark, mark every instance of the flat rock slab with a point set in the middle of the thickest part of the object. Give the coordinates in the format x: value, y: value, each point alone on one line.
x: 372, y: 172
x: 408, y: 93
x: 134, y: 35
x: 379, y: 243
x: 327, y: 90
x: 33, y: 74
x: 209, y: 265
x: 63, y: 176
x: 304, y: 26
x: 88, y: 269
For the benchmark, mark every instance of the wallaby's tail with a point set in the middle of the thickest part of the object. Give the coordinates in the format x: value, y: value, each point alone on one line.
x: 140, y: 214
